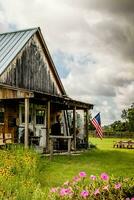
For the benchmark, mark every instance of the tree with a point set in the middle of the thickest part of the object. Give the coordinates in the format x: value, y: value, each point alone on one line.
x: 128, y: 116
x: 124, y: 115
x: 131, y: 119
x: 118, y: 126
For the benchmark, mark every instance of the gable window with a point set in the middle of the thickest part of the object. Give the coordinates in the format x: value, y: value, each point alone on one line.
x: 1, y: 115
x: 40, y: 116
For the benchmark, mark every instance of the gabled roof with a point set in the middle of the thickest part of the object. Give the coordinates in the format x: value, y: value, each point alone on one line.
x: 11, y: 44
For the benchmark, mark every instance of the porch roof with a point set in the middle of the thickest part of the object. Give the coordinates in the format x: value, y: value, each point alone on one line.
x: 65, y: 102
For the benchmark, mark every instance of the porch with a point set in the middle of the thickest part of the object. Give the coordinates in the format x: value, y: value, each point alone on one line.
x: 28, y: 117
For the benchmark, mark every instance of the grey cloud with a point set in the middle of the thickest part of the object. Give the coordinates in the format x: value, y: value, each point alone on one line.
x: 116, y: 29
x: 1, y: 7
x: 117, y: 7
x: 3, y: 27
x: 113, y: 6
x: 99, y: 36
x: 116, y: 37
x: 104, y: 90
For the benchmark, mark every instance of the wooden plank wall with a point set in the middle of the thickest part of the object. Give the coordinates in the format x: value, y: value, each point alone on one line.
x: 10, y: 118
x: 30, y: 70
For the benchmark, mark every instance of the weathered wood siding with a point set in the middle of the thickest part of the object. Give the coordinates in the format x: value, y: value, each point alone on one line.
x: 10, y: 118
x: 30, y: 70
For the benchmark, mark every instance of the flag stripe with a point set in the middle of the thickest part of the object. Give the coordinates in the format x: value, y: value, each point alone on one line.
x: 96, y: 122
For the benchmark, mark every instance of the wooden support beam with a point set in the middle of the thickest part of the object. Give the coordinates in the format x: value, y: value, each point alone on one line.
x: 48, y: 127
x: 86, y: 124
x: 26, y: 121
x: 34, y: 119
x: 69, y: 146
x: 74, y: 126
x: 51, y: 147
x: 14, y: 93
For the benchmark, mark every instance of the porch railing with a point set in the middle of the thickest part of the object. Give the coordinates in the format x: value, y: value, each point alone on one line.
x: 53, y: 137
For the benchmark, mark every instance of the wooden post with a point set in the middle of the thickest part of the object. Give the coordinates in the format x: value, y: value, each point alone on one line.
x: 69, y: 145
x: 34, y: 119
x: 74, y: 126
x: 86, y: 125
x: 51, y: 147
x: 26, y: 121
x: 48, y: 127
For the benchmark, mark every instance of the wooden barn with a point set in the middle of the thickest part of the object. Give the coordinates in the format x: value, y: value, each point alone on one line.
x: 32, y: 97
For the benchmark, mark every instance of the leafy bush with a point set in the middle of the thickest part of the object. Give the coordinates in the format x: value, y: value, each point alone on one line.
x: 19, y: 171
x: 94, y: 188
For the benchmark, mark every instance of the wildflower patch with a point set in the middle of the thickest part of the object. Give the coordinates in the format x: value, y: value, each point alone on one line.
x: 92, y: 187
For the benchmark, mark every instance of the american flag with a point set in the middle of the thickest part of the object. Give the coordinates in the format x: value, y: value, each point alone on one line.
x: 96, y: 121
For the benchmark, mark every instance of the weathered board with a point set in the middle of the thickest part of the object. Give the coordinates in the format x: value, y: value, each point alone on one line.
x: 9, y: 126
x: 30, y: 70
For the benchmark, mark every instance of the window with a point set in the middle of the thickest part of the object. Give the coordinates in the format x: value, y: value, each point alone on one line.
x: 40, y: 116
x: 1, y: 115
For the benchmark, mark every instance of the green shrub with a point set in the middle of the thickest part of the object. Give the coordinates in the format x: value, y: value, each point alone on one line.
x: 19, y: 171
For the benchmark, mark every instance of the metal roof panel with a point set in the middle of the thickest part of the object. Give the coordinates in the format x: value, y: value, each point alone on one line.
x: 11, y: 44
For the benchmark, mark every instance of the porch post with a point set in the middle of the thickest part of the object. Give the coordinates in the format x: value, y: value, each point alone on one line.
x: 74, y: 126
x: 48, y: 127
x: 26, y: 121
x: 86, y: 125
x: 34, y: 119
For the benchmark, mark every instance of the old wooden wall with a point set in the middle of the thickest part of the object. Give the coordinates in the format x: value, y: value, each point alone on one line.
x: 30, y: 70
x: 11, y: 116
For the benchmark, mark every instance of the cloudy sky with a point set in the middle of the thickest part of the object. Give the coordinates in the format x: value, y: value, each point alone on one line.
x: 91, y: 43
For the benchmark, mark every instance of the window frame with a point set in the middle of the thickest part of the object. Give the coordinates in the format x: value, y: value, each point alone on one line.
x: 2, y: 110
x: 40, y: 109
x: 21, y: 107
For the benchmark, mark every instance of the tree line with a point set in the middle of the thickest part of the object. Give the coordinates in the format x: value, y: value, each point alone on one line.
x: 125, y: 124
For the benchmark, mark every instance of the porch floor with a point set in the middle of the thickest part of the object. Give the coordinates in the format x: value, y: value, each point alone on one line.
x: 72, y: 153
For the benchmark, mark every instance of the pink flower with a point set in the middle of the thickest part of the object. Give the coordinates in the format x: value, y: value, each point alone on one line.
x: 132, y: 198
x: 96, y: 192
x: 106, y: 187
x: 117, y: 186
x: 93, y: 177
x: 82, y: 174
x: 104, y: 176
x: 84, y: 194
x: 65, y: 191
x: 76, y: 178
x: 127, y: 198
x: 53, y: 190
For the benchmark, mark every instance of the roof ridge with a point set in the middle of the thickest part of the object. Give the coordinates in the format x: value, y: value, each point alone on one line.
x: 22, y: 30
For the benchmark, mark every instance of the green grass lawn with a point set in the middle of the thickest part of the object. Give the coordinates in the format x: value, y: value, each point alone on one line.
x: 117, y: 162
x: 25, y: 175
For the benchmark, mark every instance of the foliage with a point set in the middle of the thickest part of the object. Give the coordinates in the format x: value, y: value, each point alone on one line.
x: 18, y: 173
x: 91, y: 188
x: 128, y: 116
x: 107, y: 128
x: 118, y: 126
x: 124, y: 114
x: 25, y: 175
x: 127, y: 124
